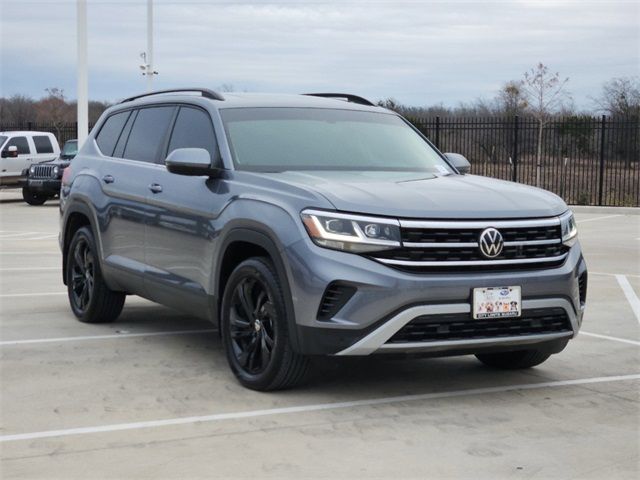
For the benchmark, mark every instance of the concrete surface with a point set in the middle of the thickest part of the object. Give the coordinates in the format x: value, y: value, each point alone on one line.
x: 122, y: 401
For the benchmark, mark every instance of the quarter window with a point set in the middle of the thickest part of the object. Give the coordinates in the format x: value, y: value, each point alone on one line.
x: 148, y: 133
x: 43, y: 144
x: 110, y: 131
x: 21, y: 143
x: 193, y: 129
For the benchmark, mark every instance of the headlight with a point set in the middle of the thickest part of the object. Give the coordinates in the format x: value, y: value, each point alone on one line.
x: 32, y: 169
x: 351, y: 233
x: 569, y: 229
x: 55, y: 172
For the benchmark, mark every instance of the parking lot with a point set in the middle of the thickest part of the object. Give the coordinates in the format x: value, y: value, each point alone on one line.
x: 151, y: 395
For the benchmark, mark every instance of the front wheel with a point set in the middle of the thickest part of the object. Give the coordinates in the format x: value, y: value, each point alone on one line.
x: 255, y: 331
x: 32, y: 198
x: 90, y: 298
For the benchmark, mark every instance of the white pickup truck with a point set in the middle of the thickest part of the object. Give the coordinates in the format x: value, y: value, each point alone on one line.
x: 18, y: 150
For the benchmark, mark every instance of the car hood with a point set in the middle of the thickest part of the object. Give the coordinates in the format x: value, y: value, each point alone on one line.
x: 424, y: 195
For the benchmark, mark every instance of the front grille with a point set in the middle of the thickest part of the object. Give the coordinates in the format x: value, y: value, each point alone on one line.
x: 460, y: 326
x: 335, y: 297
x: 441, y: 246
x: 42, y: 171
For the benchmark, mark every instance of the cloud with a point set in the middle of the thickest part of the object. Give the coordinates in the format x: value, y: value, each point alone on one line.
x: 416, y: 51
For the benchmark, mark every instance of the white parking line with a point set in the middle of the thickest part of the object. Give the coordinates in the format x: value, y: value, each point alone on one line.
x: 632, y: 298
x: 104, y: 337
x: 217, y: 417
x: 41, y: 294
x: 28, y: 269
x: 597, y: 218
x: 613, y: 274
x: 607, y: 337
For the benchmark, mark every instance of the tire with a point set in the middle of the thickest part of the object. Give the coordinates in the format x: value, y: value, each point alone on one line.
x: 33, y: 198
x: 517, y: 360
x: 90, y: 299
x: 254, y: 329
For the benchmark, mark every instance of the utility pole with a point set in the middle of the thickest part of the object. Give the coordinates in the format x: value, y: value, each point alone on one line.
x: 149, y: 58
x: 82, y: 80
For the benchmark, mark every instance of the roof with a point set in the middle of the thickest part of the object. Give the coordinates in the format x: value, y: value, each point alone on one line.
x: 248, y: 100
x: 25, y: 132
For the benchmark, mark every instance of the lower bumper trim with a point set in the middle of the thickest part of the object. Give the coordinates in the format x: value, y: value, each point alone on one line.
x: 377, y: 340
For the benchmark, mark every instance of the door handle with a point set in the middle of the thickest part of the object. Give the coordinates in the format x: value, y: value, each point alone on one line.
x: 155, y: 188
x: 108, y: 179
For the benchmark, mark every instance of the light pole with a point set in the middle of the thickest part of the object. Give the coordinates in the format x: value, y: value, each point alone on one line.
x: 150, y: 71
x: 82, y: 80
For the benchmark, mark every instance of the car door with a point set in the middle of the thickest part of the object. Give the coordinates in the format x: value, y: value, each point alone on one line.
x: 13, y: 166
x: 179, y: 233
x: 132, y: 140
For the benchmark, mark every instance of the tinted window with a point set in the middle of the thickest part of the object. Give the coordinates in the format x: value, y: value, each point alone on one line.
x: 110, y: 132
x: 124, y: 136
x: 2, y: 139
x: 193, y: 129
x: 148, y: 133
x: 21, y: 143
x: 43, y: 144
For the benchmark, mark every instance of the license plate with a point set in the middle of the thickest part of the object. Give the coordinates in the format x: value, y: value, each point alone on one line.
x: 497, y: 302
x: 36, y: 183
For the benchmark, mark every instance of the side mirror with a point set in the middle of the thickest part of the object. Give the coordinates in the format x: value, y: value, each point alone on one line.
x: 10, y: 152
x: 191, y: 161
x: 459, y: 162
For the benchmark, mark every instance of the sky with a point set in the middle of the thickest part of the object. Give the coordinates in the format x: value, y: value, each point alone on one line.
x: 418, y: 52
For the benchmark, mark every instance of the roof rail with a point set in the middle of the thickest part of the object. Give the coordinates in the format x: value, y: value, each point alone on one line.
x: 347, y: 96
x: 205, y: 92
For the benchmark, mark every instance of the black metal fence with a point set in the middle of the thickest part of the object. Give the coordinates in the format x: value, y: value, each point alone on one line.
x: 585, y: 160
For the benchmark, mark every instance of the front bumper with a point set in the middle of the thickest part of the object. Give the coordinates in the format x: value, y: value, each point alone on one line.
x: 387, y: 299
x: 41, y: 185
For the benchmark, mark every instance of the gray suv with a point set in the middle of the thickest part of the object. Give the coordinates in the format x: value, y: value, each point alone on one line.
x: 314, y: 224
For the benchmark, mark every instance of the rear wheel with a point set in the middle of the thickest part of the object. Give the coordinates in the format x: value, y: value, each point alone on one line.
x: 33, y: 198
x: 90, y: 298
x: 515, y: 360
x: 254, y: 329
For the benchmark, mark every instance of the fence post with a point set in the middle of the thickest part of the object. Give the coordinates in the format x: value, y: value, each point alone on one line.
x: 438, y: 132
x: 29, y: 126
x: 601, y: 182
x: 514, y: 158
x: 76, y: 133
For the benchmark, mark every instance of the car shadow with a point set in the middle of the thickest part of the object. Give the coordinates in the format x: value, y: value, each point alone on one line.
x: 346, y: 378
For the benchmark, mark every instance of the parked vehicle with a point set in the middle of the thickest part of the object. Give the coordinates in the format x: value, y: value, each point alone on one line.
x: 42, y: 180
x: 314, y: 224
x: 18, y: 150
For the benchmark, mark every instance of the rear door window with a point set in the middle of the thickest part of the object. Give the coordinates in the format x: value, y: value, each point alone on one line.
x: 110, y: 132
x: 193, y: 129
x: 43, y: 144
x: 21, y: 143
x: 148, y: 133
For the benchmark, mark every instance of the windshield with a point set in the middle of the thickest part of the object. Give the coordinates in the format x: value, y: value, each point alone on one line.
x: 2, y: 140
x: 70, y: 148
x: 280, y: 139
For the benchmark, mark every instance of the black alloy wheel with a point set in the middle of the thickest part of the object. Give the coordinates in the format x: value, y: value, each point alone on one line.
x: 82, y: 266
x: 251, y: 325
x: 255, y: 328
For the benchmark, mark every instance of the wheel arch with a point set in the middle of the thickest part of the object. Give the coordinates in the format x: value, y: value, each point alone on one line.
x: 240, y: 244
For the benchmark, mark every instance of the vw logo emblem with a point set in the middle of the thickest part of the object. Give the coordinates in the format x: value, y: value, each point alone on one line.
x: 491, y: 242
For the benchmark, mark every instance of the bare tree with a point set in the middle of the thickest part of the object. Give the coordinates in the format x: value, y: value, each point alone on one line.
x: 620, y: 97
x: 545, y: 93
x: 511, y: 99
x: 18, y: 109
x: 54, y: 109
